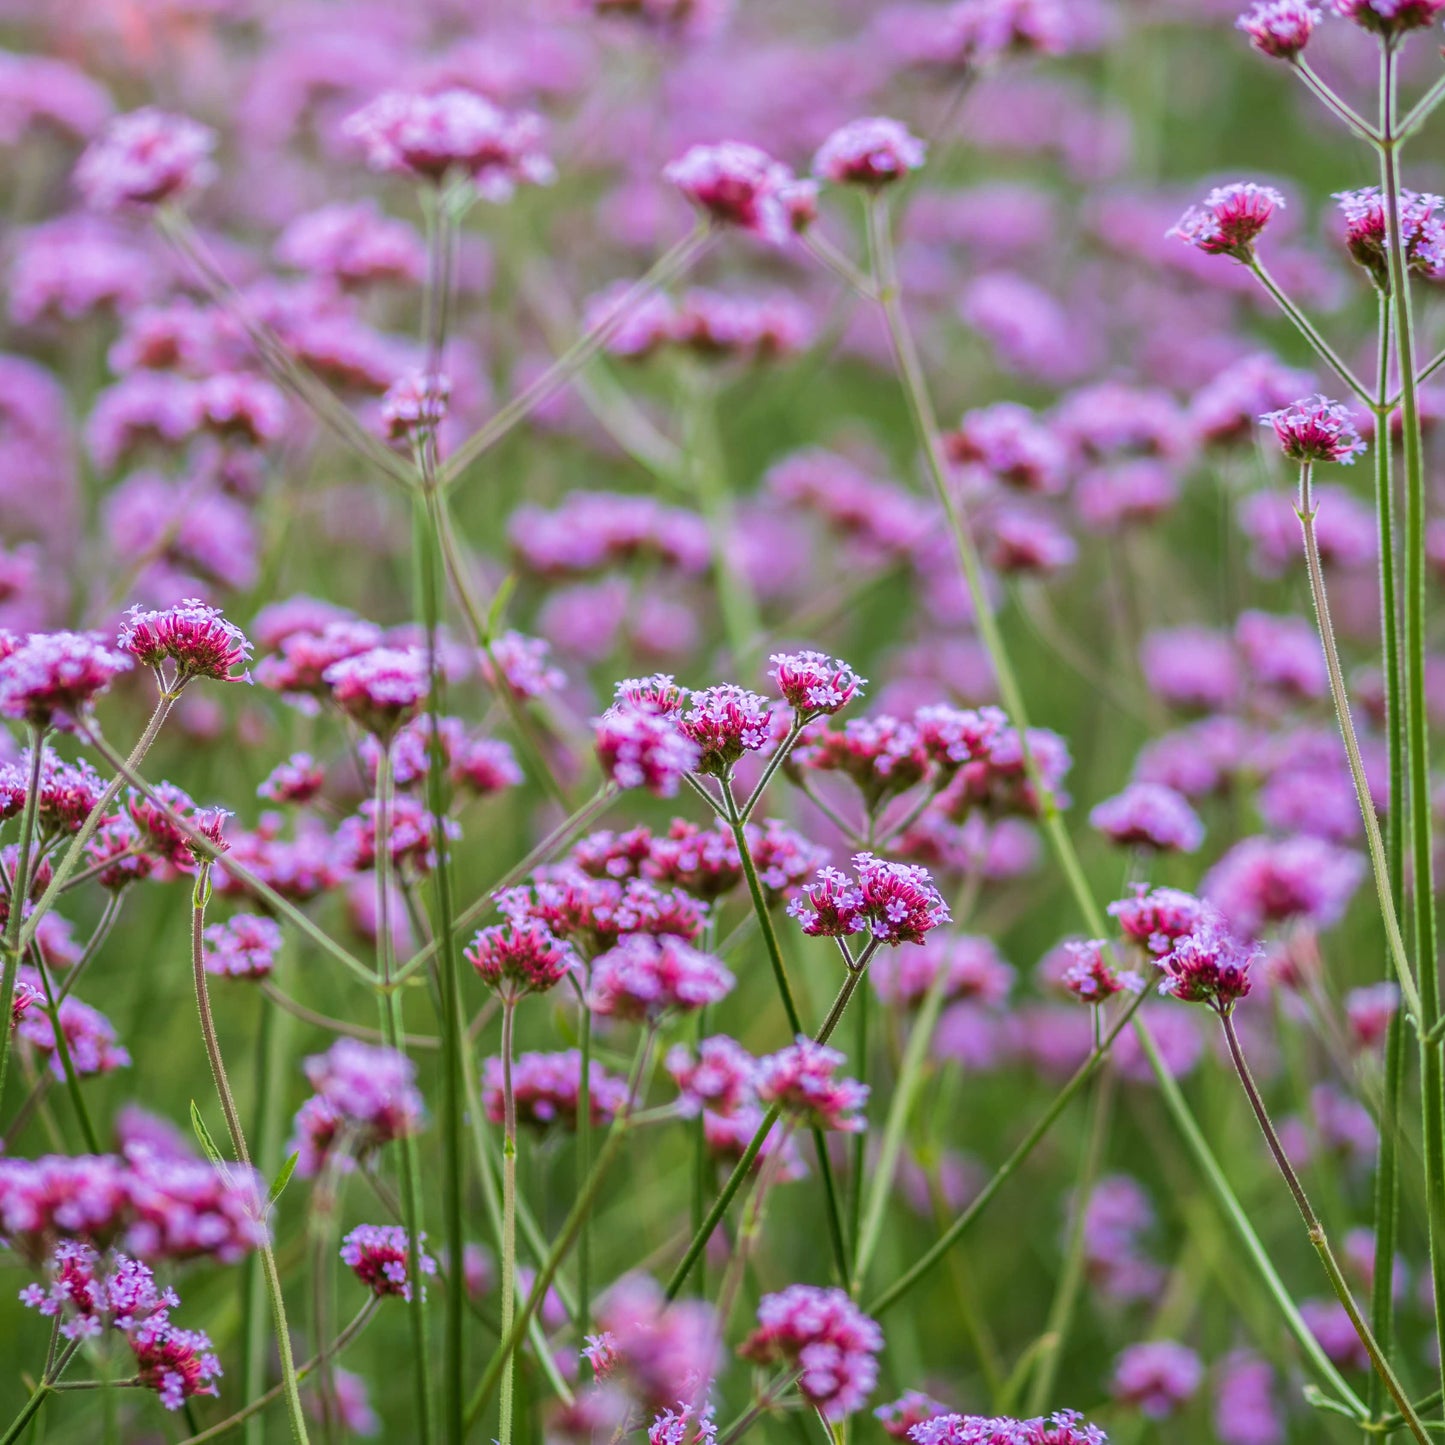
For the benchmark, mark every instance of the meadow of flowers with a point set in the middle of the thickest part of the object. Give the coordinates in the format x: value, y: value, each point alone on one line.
x: 716, y: 721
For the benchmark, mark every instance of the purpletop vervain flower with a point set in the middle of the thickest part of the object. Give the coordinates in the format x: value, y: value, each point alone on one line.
x: 870, y: 152
x: 518, y: 958
x: 381, y: 688
x: 1149, y: 815
x: 1157, y: 1377
x: 145, y: 158
x: 813, y: 684
x: 52, y: 677
x: 379, y: 1256
x: 1279, y: 28
x: 244, y: 946
x: 197, y: 638
x: 822, y: 1332
x: 1316, y: 430
x: 1208, y: 966
x: 799, y: 1080
x: 1390, y: 17
x: 547, y: 1089
x: 1230, y: 219
x: 456, y: 130
x: 912, y: 1407
x: 1091, y: 975
x: 1367, y: 231
x: 415, y: 403
x: 644, y: 977
x: 640, y: 748
x: 735, y: 185
x: 1066, y: 1427
x: 724, y: 722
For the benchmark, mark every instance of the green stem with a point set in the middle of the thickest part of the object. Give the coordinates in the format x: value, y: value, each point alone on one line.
x: 584, y: 1166
x: 921, y: 410
x: 1071, y: 1278
x: 1317, y: 1234
x: 1378, y: 862
x: 232, y: 1114
x: 13, y: 942
x: 667, y: 268
x: 393, y: 1030
x: 900, y: 1107
x: 1332, y: 102
x: 509, y: 1216
x: 1310, y: 332
x: 1417, y: 735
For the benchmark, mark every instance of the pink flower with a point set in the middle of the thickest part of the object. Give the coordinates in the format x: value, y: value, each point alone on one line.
x: 1279, y: 28
x: 1316, y: 430
x: 244, y: 946
x: 1149, y: 815
x: 175, y: 1363
x: 1369, y: 1011
x: 911, y: 1408
x: 1092, y: 977
x: 546, y: 1088
x: 1390, y: 17
x: 429, y: 135
x: 813, y: 684
x: 1208, y: 966
x: 724, y: 722
x: 639, y: 748
x: 414, y: 404
x: 645, y: 977
x: 197, y: 638
x: 53, y: 677
x: 380, y: 688
x: 519, y: 958
x: 1157, y: 1377
x: 297, y: 780
x: 825, y: 1335
x: 241, y: 408
x: 902, y: 904
x: 1013, y: 447
x: 1230, y: 219
x: 1159, y: 919
x: 735, y: 185
x: 832, y: 906
x: 145, y: 158
x: 1066, y: 1427
x: 380, y: 1257
x: 365, y: 1097
x: 972, y: 965
x: 1367, y: 231
x: 870, y: 152
x: 799, y: 1080
x: 523, y: 665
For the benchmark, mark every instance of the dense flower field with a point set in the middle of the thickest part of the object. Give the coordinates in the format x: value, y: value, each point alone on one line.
x: 715, y: 721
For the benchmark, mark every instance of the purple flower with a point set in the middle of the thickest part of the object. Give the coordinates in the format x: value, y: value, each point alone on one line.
x: 244, y: 946
x: 1157, y: 1377
x: 1245, y: 1409
x: 735, y: 185
x: 53, y: 677
x: 381, y: 688
x: 1367, y: 231
x: 354, y: 245
x: 1066, y: 1427
x: 724, y: 722
x: 1230, y: 219
x: 902, y: 904
x: 1191, y: 667
x: 911, y: 1408
x: 644, y: 977
x: 1279, y: 28
x: 523, y: 666
x: 518, y: 958
x: 197, y: 638
x: 1316, y: 430
x: 1010, y: 443
x: 665, y: 1353
x: 1091, y: 975
x: 973, y: 966
x: 175, y: 1363
x: 546, y: 1088
x: 814, y: 684
x: 1149, y: 815
x: 365, y: 1097
x: 145, y: 158
x: 825, y: 1335
x: 1264, y: 881
x: 1390, y: 17
x: 429, y: 135
x: 639, y: 748
x: 799, y: 1080
x: 415, y: 403
x: 379, y: 1256
x: 1208, y: 966
x: 1159, y: 919
x: 872, y: 152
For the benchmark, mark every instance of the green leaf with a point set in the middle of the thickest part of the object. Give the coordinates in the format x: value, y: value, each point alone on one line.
x: 502, y: 596
x: 204, y: 1135
x: 283, y: 1177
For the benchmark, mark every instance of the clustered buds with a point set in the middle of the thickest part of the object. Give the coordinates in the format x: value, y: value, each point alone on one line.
x: 379, y: 1256
x: 872, y: 152
x: 895, y: 902
x: 519, y: 957
x: 1280, y: 28
x: 195, y: 637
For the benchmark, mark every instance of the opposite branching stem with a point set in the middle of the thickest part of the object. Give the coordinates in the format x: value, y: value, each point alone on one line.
x: 1317, y: 1234
x: 1311, y: 333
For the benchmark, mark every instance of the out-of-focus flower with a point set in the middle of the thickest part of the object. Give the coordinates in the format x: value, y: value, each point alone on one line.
x: 145, y: 158
x: 822, y: 1332
x: 1149, y: 815
x: 872, y: 152
x: 1279, y: 28
x: 1157, y: 1377
x: 244, y: 946
x: 735, y: 185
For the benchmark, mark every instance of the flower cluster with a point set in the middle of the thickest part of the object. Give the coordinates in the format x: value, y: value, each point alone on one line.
x: 644, y: 977
x: 800, y: 1081
x: 364, y: 1098
x: 895, y: 902
x: 547, y: 1089
x: 379, y: 1256
x: 518, y: 958
x: 825, y: 1335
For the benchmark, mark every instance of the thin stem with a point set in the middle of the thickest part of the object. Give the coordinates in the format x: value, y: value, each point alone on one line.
x: 672, y: 264
x: 1378, y: 863
x: 1310, y: 332
x: 289, y: 1384
x: 1416, y: 745
x: 779, y: 757
x: 93, y: 945
x: 1071, y: 1277
x: 1333, y: 103
x: 925, y: 422
x: 392, y: 1029
x: 318, y: 1020
x: 905, y: 1092
x: 13, y: 942
x: 342, y: 1340
x: 1422, y: 110
x: 1316, y: 1232
x: 584, y: 1164
x: 509, y: 1216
